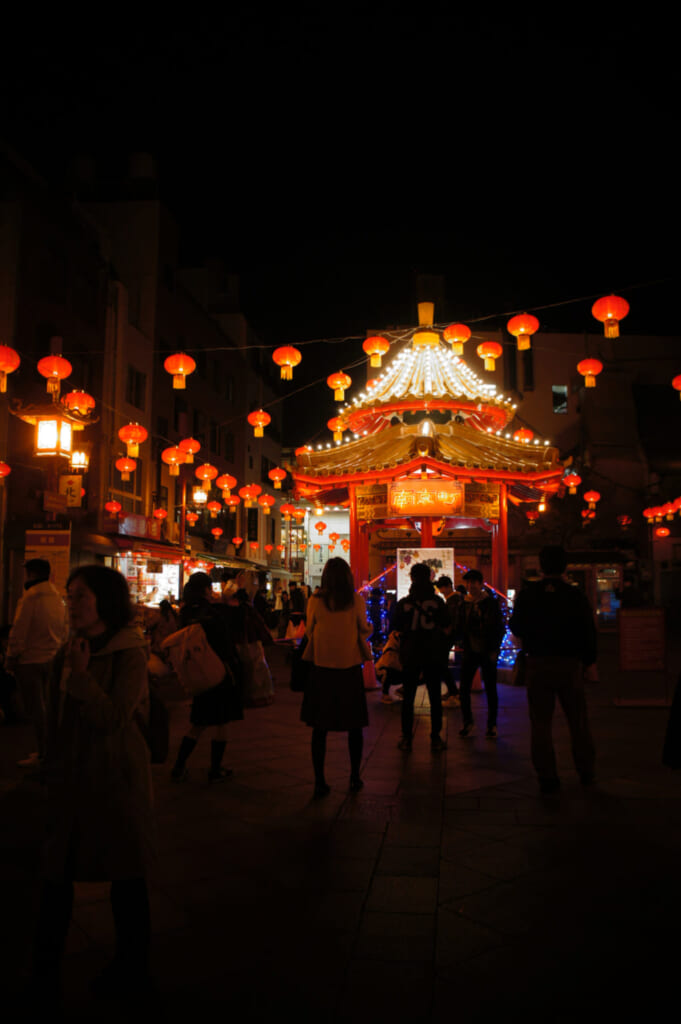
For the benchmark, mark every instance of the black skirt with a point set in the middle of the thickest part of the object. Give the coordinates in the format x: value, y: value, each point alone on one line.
x: 334, y: 699
x: 222, y: 703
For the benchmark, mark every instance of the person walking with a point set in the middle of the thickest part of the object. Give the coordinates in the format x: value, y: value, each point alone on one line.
x: 38, y: 631
x: 98, y: 781
x: 480, y: 628
x: 423, y: 622
x: 555, y: 623
x: 453, y: 601
x: 334, y: 698
x: 223, y: 703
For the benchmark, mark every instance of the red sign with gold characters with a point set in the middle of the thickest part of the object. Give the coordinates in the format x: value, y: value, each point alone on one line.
x: 426, y: 497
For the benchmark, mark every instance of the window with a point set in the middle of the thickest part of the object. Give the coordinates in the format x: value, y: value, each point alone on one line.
x: 135, y: 387
x: 559, y: 395
x: 252, y: 524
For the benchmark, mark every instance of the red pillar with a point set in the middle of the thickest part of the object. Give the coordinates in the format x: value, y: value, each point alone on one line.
x: 426, y: 532
x: 496, y: 557
x: 503, y: 539
x: 355, y: 539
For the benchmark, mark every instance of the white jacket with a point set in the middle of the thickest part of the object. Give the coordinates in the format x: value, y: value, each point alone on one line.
x: 40, y: 625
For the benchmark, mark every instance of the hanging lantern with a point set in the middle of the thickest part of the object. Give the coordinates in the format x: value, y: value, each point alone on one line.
x: 623, y: 522
x: 269, y: 548
x: 524, y: 435
x: 55, y: 369
x: 532, y: 516
x: 345, y: 544
x: 522, y: 327
x: 190, y: 447
x: 266, y: 501
x: 253, y: 545
x: 316, y: 547
x: 287, y: 511
x: 192, y: 517
x: 662, y: 531
x: 589, y: 369
x: 232, y: 501
x: 5, y: 470
x: 217, y: 531
x: 132, y: 435
x: 237, y: 541
x: 286, y: 357
x: 320, y: 527
x: 337, y: 425
x: 259, y: 420
x: 225, y: 483
x: 372, y: 383
x: 206, y: 472
x: 180, y: 366
x: 676, y: 384
x: 332, y: 548
x: 588, y: 514
x: 668, y: 510
x: 334, y: 537
x: 298, y: 514
x: 277, y: 476
x: 173, y: 457
x: 457, y: 335
x: 649, y: 514
x: 490, y: 351
x: 376, y: 347
x: 9, y: 362
x: 159, y: 513
x: 657, y: 513
x: 113, y: 507
x: 339, y: 383
x: 425, y: 339
x: 125, y: 467
x: 281, y: 548
x: 610, y: 310
x: 591, y: 497
x: 249, y: 493
x: 304, y: 449
x: 572, y: 481
x: 214, y: 507
x: 80, y: 402
x: 302, y: 547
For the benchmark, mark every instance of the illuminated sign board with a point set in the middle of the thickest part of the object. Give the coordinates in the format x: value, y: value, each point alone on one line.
x: 426, y: 497
x: 372, y: 502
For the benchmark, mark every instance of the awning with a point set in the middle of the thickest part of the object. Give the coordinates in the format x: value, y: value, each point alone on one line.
x: 138, y: 545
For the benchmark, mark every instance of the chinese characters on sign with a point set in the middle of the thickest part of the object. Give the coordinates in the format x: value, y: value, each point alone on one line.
x: 55, y: 546
x: 372, y: 502
x: 426, y: 497
x: 482, y: 501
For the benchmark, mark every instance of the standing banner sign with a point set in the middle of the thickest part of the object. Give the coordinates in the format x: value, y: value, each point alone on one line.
x: 439, y: 560
x: 55, y: 546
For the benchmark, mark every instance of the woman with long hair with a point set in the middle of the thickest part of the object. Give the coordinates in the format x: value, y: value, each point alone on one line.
x: 334, y: 699
x: 99, y: 780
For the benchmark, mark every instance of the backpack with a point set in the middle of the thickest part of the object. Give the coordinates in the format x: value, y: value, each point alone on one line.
x: 194, y: 661
x: 422, y: 644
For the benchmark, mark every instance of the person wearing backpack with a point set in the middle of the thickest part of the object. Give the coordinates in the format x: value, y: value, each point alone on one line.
x: 423, y: 621
x: 223, y: 703
x: 480, y: 627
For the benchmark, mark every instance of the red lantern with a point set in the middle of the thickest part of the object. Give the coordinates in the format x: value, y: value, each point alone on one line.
x: 668, y: 510
x: 334, y: 537
x: 269, y: 548
x: 458, y: 335
x: 662, y: 531
x: 173, y: 457
x: 524, y: 435
x: 676, y: 384
x: 649, y: 513
x: 225, y: 483
x: 55, y: 369
x: 376, y: 347
x: 266, y: 501
x: 589, y: 369
x: 339, y: 383
x: 276, y: 476
x: 522, y: 327
x: 259, y: 420
x: 592, y: 497
x: 610, y: 310
x: 572, y: 481
x: 113, y: 507
x: 490, y: 352
x: 159, y: 513
x: 217, y: 532
x: 9, y: 362
x: 237, y: 541
x: 80, y: 402
x: 249, y: 493
x: 192, y: 517
x: 206, y: 472
x: 298, y: 514
x: 281, y: 548
x: 253, y: 545
x: 302, y: 547
x: 232, y: 501
x: 588, y: 514
x: 623, y: 522
x: 286, y: 357
x: 132, y: 435
x: 180, y: 366
x: 532, y: 517
x: 345, y: 544
x: 5, y: 470
x: 320, y: 527
x: 287, y: 511
x: 126, y: 467
x: 337, y: 424
x: 316, y: 547
x: 214, y: 507
x: 190, y: 447
x: 304, y: 449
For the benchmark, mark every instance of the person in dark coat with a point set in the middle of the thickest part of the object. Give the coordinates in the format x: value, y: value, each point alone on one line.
x: 423, y: 622
x: 555, y: 623
x: 480, y: 629
x: 223, y: 703
x: 98, y: 781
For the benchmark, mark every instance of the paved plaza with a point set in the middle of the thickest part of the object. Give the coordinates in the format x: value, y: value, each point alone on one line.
x: 447, y: 889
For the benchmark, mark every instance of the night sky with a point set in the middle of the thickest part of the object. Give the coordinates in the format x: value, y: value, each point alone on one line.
x: 330, y: 159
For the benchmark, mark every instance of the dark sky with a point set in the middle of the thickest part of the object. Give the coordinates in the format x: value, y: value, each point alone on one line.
x: 330, y: 158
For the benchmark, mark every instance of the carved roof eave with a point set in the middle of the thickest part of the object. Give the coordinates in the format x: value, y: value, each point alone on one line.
x: 371, y: 412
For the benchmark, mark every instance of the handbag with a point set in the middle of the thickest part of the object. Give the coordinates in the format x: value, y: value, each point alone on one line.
x: 258, y: 685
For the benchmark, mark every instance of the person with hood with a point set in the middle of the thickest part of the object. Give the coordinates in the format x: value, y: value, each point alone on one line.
x: 38, y: 631
x: 423, y: 622
x: 480, y: 628
x: 98, y: 781
x: 555, y: 623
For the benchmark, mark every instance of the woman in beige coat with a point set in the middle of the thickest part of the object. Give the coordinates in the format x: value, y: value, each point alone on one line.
x: 99, y: 780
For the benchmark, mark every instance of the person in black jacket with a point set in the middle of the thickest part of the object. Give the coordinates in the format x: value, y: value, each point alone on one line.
x: 480, y: 629
x: 556, y: 625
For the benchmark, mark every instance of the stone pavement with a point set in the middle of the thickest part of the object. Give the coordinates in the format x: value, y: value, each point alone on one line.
x: 446, y: 889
